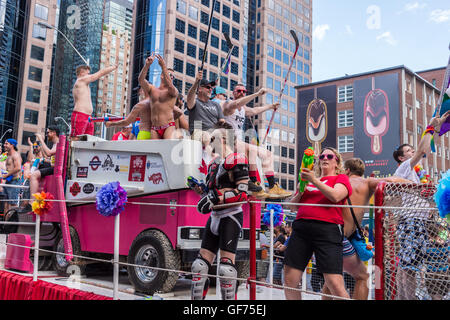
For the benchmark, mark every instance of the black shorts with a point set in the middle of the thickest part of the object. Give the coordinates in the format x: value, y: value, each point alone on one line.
x: 228, y: 237
x: 324, y: 239
x: 46, y: 169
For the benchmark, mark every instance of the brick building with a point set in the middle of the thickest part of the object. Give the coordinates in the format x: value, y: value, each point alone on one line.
x: 375, y: 112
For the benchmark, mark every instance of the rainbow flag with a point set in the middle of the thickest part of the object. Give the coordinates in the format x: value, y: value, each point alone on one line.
x: 226, y: 69
x: 445, y: 102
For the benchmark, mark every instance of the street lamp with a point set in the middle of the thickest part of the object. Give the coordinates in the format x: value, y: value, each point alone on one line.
x: 62, y: 119
x: 48, y: 26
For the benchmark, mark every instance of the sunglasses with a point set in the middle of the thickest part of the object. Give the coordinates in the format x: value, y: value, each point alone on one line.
x: 241, y: 91
x: 329, y: 156
x: 207, y: 87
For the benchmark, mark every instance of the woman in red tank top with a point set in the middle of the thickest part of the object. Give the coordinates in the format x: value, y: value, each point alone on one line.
x: 319, y: 229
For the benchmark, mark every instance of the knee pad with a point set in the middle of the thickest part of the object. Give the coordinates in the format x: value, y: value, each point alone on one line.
x: 228, y: 287
x: 200, y: 284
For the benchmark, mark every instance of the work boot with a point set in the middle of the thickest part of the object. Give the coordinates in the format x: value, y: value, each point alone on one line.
x: 259, y: 190
x: 276, y: 192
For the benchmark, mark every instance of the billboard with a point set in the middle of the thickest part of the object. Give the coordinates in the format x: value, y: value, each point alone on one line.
x: 376, y: 123
x: 316, y: 119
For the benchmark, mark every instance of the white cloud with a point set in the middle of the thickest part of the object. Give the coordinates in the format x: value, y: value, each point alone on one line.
x: 320, y: 31
x: 348, y: 29
x: 440, y: 15
x: 414, y: 6
x: 387, y: 37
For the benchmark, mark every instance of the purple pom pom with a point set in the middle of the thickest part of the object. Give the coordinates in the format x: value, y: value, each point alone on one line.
x: 442, y: 195
x: 111, y: 199
x: 277, y: 215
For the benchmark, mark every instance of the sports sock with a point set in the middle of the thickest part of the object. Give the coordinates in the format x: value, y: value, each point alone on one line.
x: 253, y: 175
x: 271, y: 180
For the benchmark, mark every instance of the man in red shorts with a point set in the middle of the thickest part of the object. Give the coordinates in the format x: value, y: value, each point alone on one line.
x: 82, y: 99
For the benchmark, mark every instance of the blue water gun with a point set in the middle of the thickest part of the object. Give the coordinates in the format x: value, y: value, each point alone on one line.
x: 192, y: 183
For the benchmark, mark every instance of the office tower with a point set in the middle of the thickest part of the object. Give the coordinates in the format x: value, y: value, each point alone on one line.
x: 13, y: 33
x: 116, y: 41
x: 36, y: 72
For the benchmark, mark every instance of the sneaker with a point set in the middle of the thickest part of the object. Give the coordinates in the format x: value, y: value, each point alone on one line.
x: 276, y: 192
x: 261, y: 194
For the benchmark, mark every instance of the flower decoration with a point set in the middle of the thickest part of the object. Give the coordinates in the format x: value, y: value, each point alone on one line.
x: 111, y: 199
x: 442, y: 196
x: 41, y: 205
x: 278, y: 215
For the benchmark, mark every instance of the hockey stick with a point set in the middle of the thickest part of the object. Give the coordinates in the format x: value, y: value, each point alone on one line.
x: 297, y: 44
x: 207, y: 35
x: 444, y: 87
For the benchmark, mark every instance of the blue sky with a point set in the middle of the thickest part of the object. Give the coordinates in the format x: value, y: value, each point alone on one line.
x: 355, y: 36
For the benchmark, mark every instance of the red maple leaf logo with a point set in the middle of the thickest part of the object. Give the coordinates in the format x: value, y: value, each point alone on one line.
x: 203, y: 168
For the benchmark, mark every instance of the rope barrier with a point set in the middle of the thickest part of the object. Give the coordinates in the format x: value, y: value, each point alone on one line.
x: 248, y: 280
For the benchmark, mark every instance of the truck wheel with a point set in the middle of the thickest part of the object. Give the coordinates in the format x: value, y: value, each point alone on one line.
x: 61, y: 265
x: 152, y: 248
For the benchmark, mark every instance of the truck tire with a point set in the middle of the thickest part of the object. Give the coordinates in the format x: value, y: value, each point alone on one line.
x: 152, y: 248
x: 63, y: 267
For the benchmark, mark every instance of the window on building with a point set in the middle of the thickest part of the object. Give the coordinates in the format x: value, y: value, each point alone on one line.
x: 224, y: 46
x: 33, y: 95
x: 235, y: 33
x: 190, y: 69
x: 37, y: 53
x: 236, y: 16
x: 178, y: 84
x: 291, y: 153
x: 291, y: 123
x: 204, y: 17
x: 26, y: 135
x: 41, y: 12
x: 215, y: 23
x: 180, y: 26
x: 35, y: 74
x: 345, y: 93
x: 191, y: 50
x: 192, y: 31
x: 345, y: 144
x: 31, y: 116
x: 284, y: 150
x: 178, y: 65
x: 181, y: 6
x: 179, y: 45
x: 225, y: 27
x: 345, y: 118
x: 291, y: 169
x: 270, y: 66
x: 205, y: 3
x: 214, y: 59
x: 235, y: 52
x: 226, y: 11
x: 193, y: 13
x: 283, y: 167
x: 203, y: 35
x: 270, y: 51
x: 214, y: 41
x: 39, y: 32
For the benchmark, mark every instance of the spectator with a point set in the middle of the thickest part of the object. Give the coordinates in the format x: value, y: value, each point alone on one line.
x: 13, y: 173
x: 124, y: 134
x: 46, y: 167
x: 319, y: 230
x: 280, y: 239
x: 411, y: 231
x: 263, y: 264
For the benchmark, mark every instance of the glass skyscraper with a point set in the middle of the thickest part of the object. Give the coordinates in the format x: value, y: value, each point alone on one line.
x: 81, y: 21
x: 13, y: 27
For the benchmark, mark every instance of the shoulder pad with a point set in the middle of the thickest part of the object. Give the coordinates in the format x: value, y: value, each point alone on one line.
x: 234, y: 159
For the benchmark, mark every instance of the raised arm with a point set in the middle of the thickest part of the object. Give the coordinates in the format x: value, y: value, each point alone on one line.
x: 190, y: 99
x: 173, y: 91
x: 424, y: 145
x: 145, y: 85
x: 229, y: 108
x: 251, y: 112
x: 46, y: 150
x: 101, y: 73
x: 132, y: 116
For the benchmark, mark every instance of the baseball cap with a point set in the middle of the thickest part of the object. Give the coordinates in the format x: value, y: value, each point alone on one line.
x: 12, y: 141
x: 218, y: 90
x: 205, y: 82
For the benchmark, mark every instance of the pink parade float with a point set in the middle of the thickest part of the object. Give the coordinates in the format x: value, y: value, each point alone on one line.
x: 144, y: 183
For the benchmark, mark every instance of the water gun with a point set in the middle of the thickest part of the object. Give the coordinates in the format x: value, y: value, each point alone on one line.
x: 3, y: 156
x: 192, y: 182
x: 6, y: 172
x: 35, y: 165
x: 308, y: 163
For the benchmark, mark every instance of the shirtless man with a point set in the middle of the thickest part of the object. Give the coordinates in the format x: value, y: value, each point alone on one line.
x: 141, y: 110
x: 162, y: 99
x: 363, y: 189
x: 82, y: 98
x: 12, y: 177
